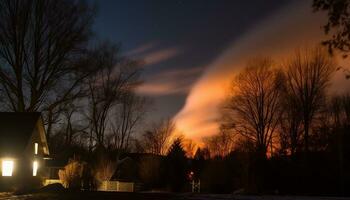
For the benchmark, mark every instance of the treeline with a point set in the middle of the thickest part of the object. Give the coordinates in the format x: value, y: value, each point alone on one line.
x: 282, y: 130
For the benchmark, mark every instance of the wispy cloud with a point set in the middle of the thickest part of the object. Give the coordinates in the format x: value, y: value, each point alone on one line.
x: 168, y: 82
x: 153, y: 53
x: 141, y: 49
x: 161, y: 55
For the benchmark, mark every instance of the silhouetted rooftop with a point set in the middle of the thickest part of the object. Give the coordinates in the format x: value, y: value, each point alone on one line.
x: 16, y: 129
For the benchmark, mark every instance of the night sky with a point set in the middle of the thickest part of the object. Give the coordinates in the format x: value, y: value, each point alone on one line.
x: 189, y: 47
x: 179, y: 34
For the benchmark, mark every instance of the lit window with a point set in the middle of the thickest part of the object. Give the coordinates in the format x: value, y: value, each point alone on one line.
x: 7, y: 167
x: 35, y: 148
x: 35, y: 168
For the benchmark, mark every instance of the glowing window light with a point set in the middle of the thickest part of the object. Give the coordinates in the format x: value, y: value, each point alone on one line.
x: 35, y: 148
x: 35, y: 168
x: 7, y: 167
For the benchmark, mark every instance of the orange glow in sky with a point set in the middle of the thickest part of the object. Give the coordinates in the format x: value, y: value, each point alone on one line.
x: 278, y: 36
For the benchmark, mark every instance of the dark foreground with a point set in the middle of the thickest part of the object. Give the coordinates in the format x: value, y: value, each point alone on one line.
x: 152, y: 196
x: 91, y: 196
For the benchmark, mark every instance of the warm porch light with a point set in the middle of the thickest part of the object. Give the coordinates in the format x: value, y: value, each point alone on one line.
x: 35, y: 148
x: 35, y: 168
x: 7, y: 167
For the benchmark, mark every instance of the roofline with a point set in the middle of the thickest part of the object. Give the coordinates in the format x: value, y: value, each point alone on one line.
x: 46, y: 143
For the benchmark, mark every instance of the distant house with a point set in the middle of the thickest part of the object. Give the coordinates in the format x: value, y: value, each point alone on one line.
x: 123, y: 179
x: 133, y: 172
x: 23, y: 147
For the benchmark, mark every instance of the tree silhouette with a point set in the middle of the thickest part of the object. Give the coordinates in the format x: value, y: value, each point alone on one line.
x: 221, y: 144
x: 308, y: 74
x: 290, y: 123
x: 41, y: 45
x: 116, y: 78
x: 339, y: 114
x: 127, y: 115
x: 338, y: 27
x: 177, y: 165
x: 156, y: 140
x: 254, y: 103
x: 338, y: 24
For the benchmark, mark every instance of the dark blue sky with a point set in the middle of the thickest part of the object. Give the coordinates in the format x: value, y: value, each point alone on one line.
x: 175, y: 36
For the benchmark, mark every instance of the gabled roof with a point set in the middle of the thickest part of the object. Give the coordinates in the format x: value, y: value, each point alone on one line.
x: 16, y: 129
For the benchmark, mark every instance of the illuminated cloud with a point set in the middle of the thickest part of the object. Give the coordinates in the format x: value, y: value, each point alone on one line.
x: 141, y: 49
x: 168, y: 82
x: 151, y: 53
x: 278, y: 36
x: 159, y: 56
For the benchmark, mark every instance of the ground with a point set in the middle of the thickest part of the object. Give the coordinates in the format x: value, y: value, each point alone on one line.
x: 150, y: 196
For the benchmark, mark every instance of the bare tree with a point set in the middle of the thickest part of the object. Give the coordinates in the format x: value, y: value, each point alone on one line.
x: 190, y: 147
x: 117, y: 76
x: 308, y: 74
x: 126, y: 117
x: 221, y: 144
x: 41, y: 43
x: 254, y: 103
x: 290, y: 123
x: 71, y: 127
x: 156, y: 141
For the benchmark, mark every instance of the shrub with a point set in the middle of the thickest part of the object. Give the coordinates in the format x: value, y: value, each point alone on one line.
x: 72, y: 173
x: 105, y: 169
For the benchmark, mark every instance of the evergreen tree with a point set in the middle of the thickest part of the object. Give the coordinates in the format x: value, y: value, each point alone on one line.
x: 177, y: 166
